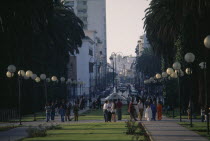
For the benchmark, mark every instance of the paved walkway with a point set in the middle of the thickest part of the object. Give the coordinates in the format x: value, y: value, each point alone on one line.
x: 168, y: 130
x: 20, y: 132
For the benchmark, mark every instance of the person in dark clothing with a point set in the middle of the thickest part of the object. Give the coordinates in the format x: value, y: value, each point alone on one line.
x: 53, y: 106
x: 131, y: 110
x: 154, y: 110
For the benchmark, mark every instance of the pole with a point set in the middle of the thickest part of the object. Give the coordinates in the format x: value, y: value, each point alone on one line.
x: 191, y: 96
x: 206, y: 94
x: 19, y: 99
x: 180, y: 109
x: 113, y: 75
x: 45, y: 90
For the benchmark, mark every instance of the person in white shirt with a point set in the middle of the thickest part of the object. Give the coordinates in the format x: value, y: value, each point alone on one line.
x: 109, y: 106
x: 105, y: 107
x: 148, y: 113
x: 141, y: 109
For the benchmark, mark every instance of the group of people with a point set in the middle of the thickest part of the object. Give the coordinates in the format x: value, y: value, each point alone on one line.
x: 110, y: 109
x: 137, y: 110
x: 63, y: 108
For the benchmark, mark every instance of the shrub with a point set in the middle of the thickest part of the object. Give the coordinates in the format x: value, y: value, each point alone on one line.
x: 53, y: 127
x: 39, y: 131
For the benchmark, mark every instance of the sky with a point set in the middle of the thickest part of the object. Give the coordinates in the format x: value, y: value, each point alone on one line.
x: 124, y: 25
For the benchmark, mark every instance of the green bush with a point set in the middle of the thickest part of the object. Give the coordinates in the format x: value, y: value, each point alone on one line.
x: 39, y: 131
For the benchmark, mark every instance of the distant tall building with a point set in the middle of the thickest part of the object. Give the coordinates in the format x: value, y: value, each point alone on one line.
x: 93, y: 15
x: 142, y: 43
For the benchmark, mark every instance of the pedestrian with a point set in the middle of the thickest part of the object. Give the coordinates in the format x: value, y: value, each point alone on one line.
x: 119, y: 109
x: 48, y: 111
x: 113, y: 110
x: 154, y: 110
x: 131, y: 110
x: 141, y: 109
x: 105, y: 106
x: 53, y: 106
x: 148, y: 113
x: 76, y: 112
x: 109, y: 106
x: 62, y: 113
x: 68, y: 112
x: 159, y: 110
x: 202, y: 113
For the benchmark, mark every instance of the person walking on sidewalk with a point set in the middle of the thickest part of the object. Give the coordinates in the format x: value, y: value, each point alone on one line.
x: 68, y: 112
x: 141, y: 109
x: 148, y: 113
x: 105, y: 111
x: 159, y: 110
x: 154, y: 110
x: 119, y: 109
x: 48, y: 111
x: 76, y: 112
x: 113, y: 111
x: 62, y: 113
x: 131, y: 110
x: 53, y: 106
x: 109, y: 106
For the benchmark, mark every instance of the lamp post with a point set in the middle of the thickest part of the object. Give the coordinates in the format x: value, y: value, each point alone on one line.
x: 21, y: 73
x: 43, y: 77
x: 177, y: 68
x: 207, y: 45
x: 33, y: 77
x: 189, y: 58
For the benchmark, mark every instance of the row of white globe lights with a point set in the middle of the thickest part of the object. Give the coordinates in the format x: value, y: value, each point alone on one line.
x: 29, y: 74
x: 189, y: 58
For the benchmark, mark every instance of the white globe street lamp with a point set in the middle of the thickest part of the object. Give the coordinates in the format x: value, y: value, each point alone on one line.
x: 9, y: 74
x: 21, y: 73
x: 11, y: 68
x: 169, y: 71
x: 204, y: 66
x: 29, y: 73
x: 188, y: 71
x: 207, y: 42
x: 164, y: 74
x: 43, y: 76
x: 174, y: 75
x: 37, y: 79
x: 34, y: 76
x: 189, y: 57
x: 54, y: 79
x: 176, y: 66
x: 62, y: 79
x: 158, y: 76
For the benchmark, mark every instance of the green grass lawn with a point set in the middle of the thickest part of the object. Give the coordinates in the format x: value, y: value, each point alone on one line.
x: 87, y: 132
x: 176, y: 115
x: 100, y: 131
x: 199, y: 127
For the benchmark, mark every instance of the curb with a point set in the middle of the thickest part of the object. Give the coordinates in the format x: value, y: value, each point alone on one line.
x: 150, y: 135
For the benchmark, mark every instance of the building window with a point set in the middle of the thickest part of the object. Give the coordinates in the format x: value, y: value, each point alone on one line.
x: 90, y: 52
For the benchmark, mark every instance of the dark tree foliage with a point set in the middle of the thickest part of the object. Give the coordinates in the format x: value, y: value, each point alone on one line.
x: 167, y: 21
x: 36, y: 35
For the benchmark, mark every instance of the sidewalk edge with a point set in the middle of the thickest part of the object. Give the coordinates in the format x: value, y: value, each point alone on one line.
x: 150, y: 135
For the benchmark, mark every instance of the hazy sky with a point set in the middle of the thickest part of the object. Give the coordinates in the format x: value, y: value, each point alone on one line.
x: 124, y: 24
